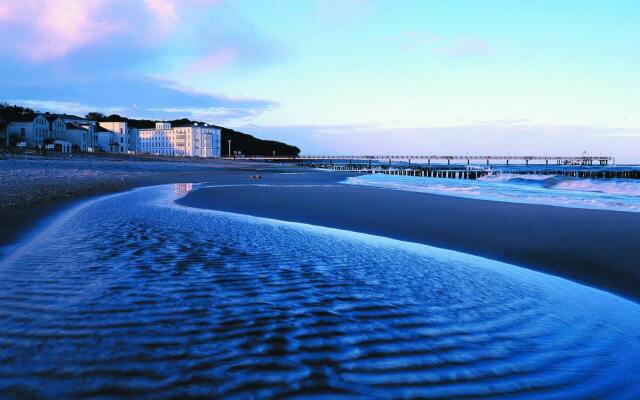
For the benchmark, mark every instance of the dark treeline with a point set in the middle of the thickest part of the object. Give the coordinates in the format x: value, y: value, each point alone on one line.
x: 246, y: 144
x: 15, y: 113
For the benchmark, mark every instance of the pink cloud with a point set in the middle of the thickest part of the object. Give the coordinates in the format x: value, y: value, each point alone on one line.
x: 50, y: 29
x: 164, y: 10
x: 56, y: 27
x: 212, y: 62
x: 4, y: 11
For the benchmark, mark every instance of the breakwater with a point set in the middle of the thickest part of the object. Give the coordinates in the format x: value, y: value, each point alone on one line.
x: 476, y: 172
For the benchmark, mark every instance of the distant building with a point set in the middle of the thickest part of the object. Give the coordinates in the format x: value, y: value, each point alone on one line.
x: 57, y: 126
x: 117, y: 135
x: 91, y: 143
x: 134, y: 140
x: 194, y: 140
x: 78, y: 136
x: 30, y: 129
x: 61, y: 146
x: 19, y: 131
x: 44, y: 129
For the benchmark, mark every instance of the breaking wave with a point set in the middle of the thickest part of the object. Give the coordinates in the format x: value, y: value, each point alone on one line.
x: 555, y: 190
x: 628, y: 187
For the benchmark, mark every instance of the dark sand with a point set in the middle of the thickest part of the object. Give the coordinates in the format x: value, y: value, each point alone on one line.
x: 33, y: 187
x: 598, y: 248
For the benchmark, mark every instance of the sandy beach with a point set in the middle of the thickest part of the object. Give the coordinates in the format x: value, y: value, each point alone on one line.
x: 134, y: 295
x: 35, y: 186
x: 594, y: 247
x: 598, y: 248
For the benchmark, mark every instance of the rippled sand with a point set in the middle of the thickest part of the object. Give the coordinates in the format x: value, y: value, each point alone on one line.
x: 131, y: 295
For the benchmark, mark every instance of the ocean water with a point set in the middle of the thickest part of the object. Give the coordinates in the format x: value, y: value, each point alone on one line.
x: 133, y: 296
x: 601, y: 194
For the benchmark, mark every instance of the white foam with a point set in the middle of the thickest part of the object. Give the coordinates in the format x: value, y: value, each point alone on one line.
x: 619, y: 187
x: 616, y: 195
x: 508, y: 177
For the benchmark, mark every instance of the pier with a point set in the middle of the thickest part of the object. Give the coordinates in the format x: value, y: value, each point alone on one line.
x: 466, y: 167
x: 475, y: 173
x: 465, y: 159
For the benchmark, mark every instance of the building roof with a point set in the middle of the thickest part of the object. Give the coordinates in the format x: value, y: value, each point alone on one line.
x: 70, y: 117
x: 100, y: 128
x: 51, y: 117
x: 71, y: 125
x: 194, y: 124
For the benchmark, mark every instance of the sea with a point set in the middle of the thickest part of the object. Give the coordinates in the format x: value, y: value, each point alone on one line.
x: 133, y: 296
x: 538, y: 186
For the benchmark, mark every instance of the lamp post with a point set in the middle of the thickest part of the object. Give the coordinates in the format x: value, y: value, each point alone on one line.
x: 229, y: 148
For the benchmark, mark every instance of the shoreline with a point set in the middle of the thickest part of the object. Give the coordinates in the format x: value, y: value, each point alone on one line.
x: 36, y: 187
x: 228, y: 297
x: 592, y: 247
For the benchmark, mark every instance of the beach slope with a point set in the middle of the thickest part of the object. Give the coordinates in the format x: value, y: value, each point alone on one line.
x: 598, y: 248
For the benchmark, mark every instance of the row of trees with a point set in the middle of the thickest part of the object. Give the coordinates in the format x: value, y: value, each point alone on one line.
x: 10, y: 112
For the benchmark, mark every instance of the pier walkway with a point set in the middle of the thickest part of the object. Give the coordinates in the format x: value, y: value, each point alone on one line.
x: 558, y: 160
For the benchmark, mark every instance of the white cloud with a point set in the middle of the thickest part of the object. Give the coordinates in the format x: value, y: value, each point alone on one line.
x: 163, y: 10
x: 61, y: 106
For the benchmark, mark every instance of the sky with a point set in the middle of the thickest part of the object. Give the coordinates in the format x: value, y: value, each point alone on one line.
x: 343, y: 77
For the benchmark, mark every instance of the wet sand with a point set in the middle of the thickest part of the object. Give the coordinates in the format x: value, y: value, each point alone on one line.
x: 133, y: 297
x: 598, y: 248
x: 33, y: 187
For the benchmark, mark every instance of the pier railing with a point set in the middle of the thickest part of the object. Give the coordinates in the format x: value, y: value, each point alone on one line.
x: 559, y: 160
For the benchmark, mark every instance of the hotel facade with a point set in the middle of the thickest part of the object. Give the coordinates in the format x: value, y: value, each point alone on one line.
x: 35, y: 131
x: 193, y: 140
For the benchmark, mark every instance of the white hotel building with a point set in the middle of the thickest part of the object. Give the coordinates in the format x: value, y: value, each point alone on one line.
x: 195, y: 140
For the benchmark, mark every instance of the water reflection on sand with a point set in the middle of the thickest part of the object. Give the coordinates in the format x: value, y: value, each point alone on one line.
x: 134, y: 296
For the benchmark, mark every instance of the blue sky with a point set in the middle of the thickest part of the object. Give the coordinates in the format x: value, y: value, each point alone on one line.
x: 336, y: 76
